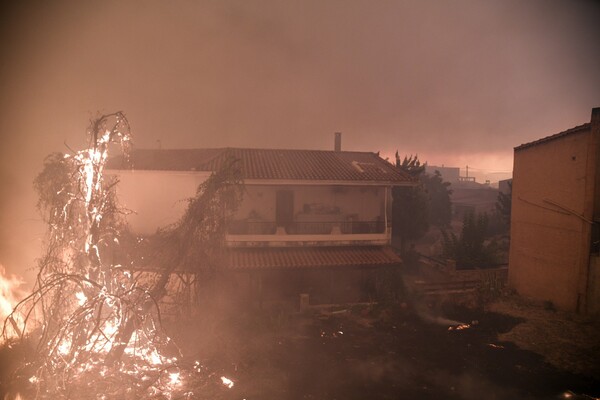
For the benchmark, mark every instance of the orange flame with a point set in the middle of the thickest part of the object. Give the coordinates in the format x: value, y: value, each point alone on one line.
x: 10, y: 294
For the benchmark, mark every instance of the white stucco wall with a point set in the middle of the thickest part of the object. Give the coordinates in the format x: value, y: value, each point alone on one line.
x: 156, y: 198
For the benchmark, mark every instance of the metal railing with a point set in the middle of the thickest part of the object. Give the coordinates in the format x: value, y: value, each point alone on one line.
x: 363, y: 227
x: 306, y: 228
x: 252, y: 228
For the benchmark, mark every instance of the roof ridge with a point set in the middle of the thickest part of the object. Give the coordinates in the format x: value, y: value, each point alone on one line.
x: 575, y: 129
x: 257, y: 148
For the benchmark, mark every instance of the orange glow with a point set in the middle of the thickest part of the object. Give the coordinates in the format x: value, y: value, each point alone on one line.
x: 492, y: 166
x: 10, y: 294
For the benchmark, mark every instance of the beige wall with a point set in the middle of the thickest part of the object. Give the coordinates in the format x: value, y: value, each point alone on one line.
x: 552, y: 194
x: 366, y: 203
x: 157, y: 198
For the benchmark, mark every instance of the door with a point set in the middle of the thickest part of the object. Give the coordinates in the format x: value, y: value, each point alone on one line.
x: 284, y: 208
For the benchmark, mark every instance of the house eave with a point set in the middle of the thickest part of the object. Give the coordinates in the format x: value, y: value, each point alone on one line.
x: 268, y: 182
x: 317, y: 182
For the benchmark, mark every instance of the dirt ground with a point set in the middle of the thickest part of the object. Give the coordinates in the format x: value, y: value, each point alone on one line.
x: 510, y: 350
x: 567, y: 341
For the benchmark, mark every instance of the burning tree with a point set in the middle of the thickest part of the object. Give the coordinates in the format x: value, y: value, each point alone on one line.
x: 95, y: 323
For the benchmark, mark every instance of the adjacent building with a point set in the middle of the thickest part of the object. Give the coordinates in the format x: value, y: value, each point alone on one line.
x: 554, y: 254
x: 505, y: 186
x: 473, y: 198
x: 448, y: 174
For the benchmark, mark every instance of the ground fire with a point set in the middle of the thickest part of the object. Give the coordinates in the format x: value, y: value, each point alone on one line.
x: 10, y: 294
x: 94, y: 326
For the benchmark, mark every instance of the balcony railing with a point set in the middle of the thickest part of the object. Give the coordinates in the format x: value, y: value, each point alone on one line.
x: 363, y: 227
x: 306, y: 228
x: 252, y: 228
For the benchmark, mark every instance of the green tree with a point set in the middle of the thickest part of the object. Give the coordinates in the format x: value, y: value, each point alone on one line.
x: 440, y: 206
x: 410, y: 205
x: 469, y: 249
x: 415, y: 209
x: 504, y: 205
x: 410, y: 213
x: 410, y: 165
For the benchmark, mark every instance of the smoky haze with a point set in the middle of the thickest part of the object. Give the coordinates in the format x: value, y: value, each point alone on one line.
x: 458, y: 82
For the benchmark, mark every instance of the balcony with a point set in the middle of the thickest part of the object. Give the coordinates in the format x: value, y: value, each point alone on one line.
x: 306, y: 228
x: 251, y: 228
x: 248, y: 233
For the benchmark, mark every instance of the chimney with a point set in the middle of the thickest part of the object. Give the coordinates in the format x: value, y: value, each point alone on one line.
x: 338, y: 141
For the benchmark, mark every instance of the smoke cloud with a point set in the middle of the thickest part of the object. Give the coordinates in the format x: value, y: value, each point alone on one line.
x: 458, y: 83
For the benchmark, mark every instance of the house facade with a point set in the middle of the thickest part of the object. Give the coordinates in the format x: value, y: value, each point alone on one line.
x: 554, y: 252
x: 303, y: 212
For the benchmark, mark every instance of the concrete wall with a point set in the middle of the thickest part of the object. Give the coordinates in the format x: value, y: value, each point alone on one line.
x: 553, y: 195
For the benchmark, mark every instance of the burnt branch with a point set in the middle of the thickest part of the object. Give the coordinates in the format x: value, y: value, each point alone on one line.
x: 94, y: 319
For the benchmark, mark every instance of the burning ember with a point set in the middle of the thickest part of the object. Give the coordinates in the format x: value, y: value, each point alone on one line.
x: 571, y: 395
x: 333, y: 334
x: 459, y: 327
x: 227, y: 382
x: 462, y: 326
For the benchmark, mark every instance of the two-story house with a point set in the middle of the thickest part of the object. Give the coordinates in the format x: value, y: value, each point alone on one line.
x: 313, y: 222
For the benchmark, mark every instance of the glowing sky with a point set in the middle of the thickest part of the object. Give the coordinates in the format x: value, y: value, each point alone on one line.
x: 458, y: 82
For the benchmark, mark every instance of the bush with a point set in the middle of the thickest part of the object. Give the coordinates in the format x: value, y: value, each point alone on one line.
x: 469, y: 249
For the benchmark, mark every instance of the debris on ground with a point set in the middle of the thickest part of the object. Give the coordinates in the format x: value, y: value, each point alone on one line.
x: 567, y: 341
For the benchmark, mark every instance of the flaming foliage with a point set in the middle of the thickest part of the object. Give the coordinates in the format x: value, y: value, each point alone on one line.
x: 95, y: 324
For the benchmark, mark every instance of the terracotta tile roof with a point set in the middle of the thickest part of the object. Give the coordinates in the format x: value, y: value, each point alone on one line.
x: 169, y: 160
x: 310, y: 257
x: 577, y: 129
x: 270, y: 164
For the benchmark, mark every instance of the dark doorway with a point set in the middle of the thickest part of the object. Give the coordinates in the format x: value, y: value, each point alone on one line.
x: 284, y: 208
